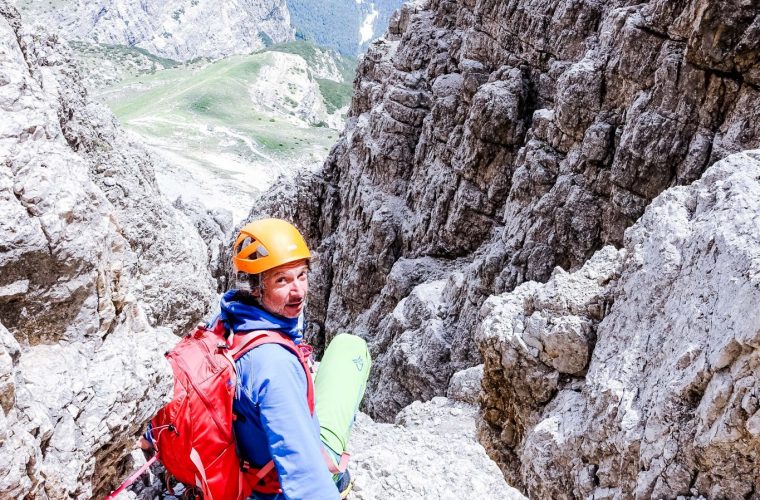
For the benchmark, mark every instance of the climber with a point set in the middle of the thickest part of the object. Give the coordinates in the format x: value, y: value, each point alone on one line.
x: 290, y: 430
x: 273, y: 418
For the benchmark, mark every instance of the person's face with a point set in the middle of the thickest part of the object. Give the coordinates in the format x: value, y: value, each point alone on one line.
x: 284, y: 289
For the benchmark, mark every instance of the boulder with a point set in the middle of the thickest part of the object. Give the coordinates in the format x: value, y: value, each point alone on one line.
x: 465, y: 385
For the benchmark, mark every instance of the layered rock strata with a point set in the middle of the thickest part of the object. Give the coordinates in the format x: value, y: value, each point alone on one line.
x: 637, y: 375
x: 489, y: 142
x: 96, y: 273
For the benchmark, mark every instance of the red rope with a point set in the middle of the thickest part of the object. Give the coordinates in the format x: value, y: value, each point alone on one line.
x: 131, y: 479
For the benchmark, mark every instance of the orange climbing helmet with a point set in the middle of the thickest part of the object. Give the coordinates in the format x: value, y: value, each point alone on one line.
x: 267, y: 243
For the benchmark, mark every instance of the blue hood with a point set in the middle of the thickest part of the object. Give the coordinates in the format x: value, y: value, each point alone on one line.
x: 241, y: 313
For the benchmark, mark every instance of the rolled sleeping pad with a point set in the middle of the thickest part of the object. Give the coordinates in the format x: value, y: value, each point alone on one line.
x: 339, y: 388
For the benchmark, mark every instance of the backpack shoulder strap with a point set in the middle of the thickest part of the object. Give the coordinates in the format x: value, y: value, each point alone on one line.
x: 242, y: 343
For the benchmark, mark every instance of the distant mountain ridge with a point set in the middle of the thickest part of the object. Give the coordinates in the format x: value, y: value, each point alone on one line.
x: 183, y: 30
x: 176, y: 29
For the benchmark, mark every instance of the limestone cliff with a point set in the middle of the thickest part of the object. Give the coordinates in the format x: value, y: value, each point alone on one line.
x: 97, y: 271
x: 636, y: 376
x: 489, y: 142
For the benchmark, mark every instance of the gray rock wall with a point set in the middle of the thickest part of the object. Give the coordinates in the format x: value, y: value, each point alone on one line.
x: 489, y: 142
x: 637, y: 375
x: 96, y: 273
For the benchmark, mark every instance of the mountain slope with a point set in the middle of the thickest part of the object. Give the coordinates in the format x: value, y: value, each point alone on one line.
x: 183, y: 30
x: 344, y: 25
x: 175, y: 29
x: 232, y: 126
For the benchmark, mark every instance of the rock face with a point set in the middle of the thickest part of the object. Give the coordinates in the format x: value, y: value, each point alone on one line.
x: 175, y: 29
x: 489, y: 142
x: 667, y: 404
x: 465, y: 385
x: 214, y: 225
x: 96, y: 270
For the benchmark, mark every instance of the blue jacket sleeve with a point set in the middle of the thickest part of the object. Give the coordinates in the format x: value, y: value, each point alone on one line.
x: 278, y: 386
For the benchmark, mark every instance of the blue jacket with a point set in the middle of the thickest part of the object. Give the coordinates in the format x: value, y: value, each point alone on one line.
x: 274, y: 421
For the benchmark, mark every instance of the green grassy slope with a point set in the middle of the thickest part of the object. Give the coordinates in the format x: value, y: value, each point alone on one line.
x: 310, y: 52
x: 189, y: 103
x: 218, y: 143
x: 336, y: 95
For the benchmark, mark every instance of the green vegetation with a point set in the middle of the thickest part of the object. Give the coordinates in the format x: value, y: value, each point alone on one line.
x: 104, y: 65
x: 120, y: 53
x: 205, y: 110
x: 336, y: 95
x: 201, y: 115
x: 311, y: 54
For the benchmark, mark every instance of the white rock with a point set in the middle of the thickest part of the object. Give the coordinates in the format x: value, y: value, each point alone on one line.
x: 669, y: 401
x: 96, y: 269
x: 435, y: 458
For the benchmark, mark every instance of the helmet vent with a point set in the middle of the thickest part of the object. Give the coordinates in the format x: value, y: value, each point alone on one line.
x: 244, y: 243
x: 261, y: 251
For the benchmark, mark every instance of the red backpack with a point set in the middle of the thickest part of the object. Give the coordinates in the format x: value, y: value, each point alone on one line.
x: 193, y: 433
